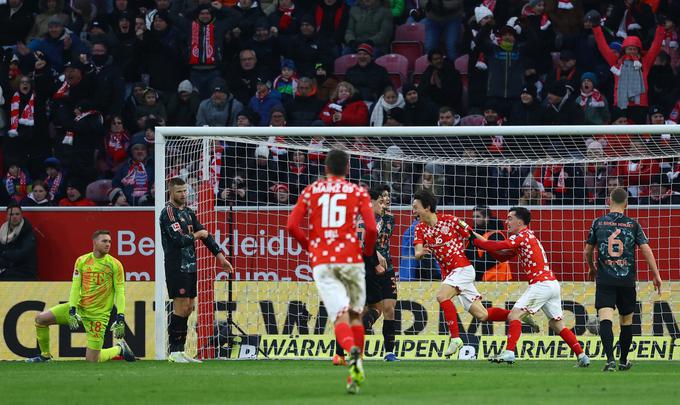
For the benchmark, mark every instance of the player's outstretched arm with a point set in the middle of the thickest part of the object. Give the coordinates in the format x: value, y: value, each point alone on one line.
x: 590, y: 260
x: 651, y: 263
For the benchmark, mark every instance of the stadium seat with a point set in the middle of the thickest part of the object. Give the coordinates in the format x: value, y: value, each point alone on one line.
x: 342, y: 64
x: 419, y: 68
x: 98, y: 191
x: 409, y: 40
x: 397, y: 67
x: 461, y: 64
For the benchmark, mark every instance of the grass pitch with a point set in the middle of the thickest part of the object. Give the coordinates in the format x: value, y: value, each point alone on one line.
x: 318, y: 382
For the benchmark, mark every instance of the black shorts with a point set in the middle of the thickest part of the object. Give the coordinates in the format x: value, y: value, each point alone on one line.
x: 381, y: 287
x: 181, y: 285
x: 611, y: 296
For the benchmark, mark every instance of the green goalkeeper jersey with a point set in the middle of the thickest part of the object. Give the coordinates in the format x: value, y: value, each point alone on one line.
x: 95, y: 283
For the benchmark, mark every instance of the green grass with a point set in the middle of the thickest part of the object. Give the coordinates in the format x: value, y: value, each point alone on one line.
x: 318, y: 382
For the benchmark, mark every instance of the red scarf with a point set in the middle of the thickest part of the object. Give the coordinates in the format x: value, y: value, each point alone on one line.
x: 297, y: 168
x: 25, y: 117
x: 137, y: 178
x: 286, y: 17
x: 63, y: 91
x: 17, y: 186
x: 547, y: 174
x: 570, y: 75
x: 564, y: 5
x: 116, y: 145
x: 202, y: 44
x: 596, y: 99
x: 70, y: 135
x: 337, y: 19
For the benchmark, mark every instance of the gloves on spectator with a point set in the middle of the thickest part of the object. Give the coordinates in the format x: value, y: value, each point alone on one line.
x: 118, y: 327
x: 74, y: 320
x: 594, y: 17
x: 513, y: 22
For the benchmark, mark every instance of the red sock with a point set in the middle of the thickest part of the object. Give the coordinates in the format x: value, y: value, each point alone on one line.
x: 497, y: 314
x: 514, y: 332
x: 451, y: 317
x: 358, y: 332
x: 569, y: 337
x: 343, y: 334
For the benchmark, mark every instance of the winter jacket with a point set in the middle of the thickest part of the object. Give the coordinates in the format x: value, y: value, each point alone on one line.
x: 18, y: 257
x: 566, y: 113
x: 109, y: 88
x: 443, y: 10
x: 595, y: 110
x: 331, y: 21
x: 53, y: 49
x: 242, y: 83
x: 527, y: 114
x: 450, y: 94
x: 126, y: 52
x: 614, y: 60
x: 214, y: 115
x: 370, y: 23
x: 422, y: 113
x: 15, y: 27
x: 505, y: 69
x: 307, y: 51
x: 302, y: 111
x: 180, y: 113
x: 370, y: 81
x: 248, y: 18
x: 264, y: 106
x: 354, y: 114
x: 163, y: 58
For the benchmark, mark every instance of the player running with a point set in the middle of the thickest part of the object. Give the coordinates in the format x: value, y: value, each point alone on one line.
x: 98, y: 282
x: 445, y: 236
x: 332, y: 205
x: 544, y: 290
x: 616, y: 236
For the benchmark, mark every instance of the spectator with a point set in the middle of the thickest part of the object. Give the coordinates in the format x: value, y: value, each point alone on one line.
x: 205, y: 48
x: 441, y: 82
x: 280, y: 194
x: 370, y: 21
x: 630, y: 70
x: 161, y: 48
x: 150, y: 106
x: 443, y: 18
x: 74, y: 195
x: 447, y: 118
x: 116, y: 142
x: 390, y: 99
x: 55, y: 180
x: 326, y: 83
x: 17, y: 181
x: 125, y: 48
x: 530, y: 111
x: 162, y: 6
x: 661, y: 192
x: 566, y: 71
x: 285, y: 19
x: 614, y: 182
x: 637, y: 174
x: 17, y: 247
x: 38, y: 197
x: 277, y: 118
x: 564, y: 182
x: 236, y: 193
x: 396, y: 173
x: 247, y: 118
x: 266, y: 44
x: 594, y: 104
x: 286, y: 83
x: 538, y: 22
x: 433, y: 179
x: 533, y: 193
x: 58, y: 47
x: 305, y: 107
x: 663, y: 84
x: 486, y: 267
x: 561, y: 107
x: 132, y: 103
x: 244, y: 78
x: 369, y: 78
x: 477, y: 67
x: 417, y: 110
x: 308, y: 48
x: 21, y: 122
x: 345, y: 108
x: 396, y: 117
x: 119, y: 7
x: 492, y: 115
x: 596, y: 173
x: 183, y: 105
x: 264, y: 100
x: 331, y: 20
x: 298, y: 172
x: 137, y: 176
x: 117, y: 198
x: 16, y: 20
x: 83, y: 139
x: 108, y: 81
x: 671, y: 41
x: 262, y: 174
x: 249, y: 13
x: 48, y: 9
x: 220, y: 109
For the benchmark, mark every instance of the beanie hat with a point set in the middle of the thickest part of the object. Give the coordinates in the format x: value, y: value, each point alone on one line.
x: 185, y: 86
x: 589, y: 76
x: 481, y: 12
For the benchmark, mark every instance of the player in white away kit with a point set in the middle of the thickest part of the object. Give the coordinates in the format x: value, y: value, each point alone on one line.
x: 445, y: 237
x: 544, y: 290
x: 333, y: 205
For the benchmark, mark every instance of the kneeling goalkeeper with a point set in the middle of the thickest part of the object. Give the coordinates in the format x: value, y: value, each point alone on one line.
x: 97, y: 278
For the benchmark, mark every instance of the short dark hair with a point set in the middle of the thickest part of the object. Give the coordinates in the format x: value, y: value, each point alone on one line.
x: 522, y: 213
x: 427, y: 199
x: 100, y: 232
x: 486, y: 211
x: 433, y: 52
x: 444, y: 109
x: 619, y: 195
x: 336, y: 162
x: 176, y: 181
x: 14, y: 204
x: 377, y: 190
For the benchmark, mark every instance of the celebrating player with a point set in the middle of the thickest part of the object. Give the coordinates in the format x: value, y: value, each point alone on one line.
x: 616, y: 236
x: 445, y: 237
x: 98, y: 277
x: 544, y: 290
x: 381, y: 283
x: 332, y: 205
x: 180, y: 229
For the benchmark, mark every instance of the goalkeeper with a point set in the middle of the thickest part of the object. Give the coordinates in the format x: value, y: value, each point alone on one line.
x: 97, y: 278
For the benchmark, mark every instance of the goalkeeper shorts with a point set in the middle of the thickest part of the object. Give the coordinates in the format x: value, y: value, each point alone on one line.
x: 95, y: 328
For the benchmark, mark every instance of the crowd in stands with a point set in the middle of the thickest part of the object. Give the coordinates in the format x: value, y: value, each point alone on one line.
x: 85, y: 83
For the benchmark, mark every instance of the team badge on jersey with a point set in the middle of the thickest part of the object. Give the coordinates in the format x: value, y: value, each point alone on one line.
x: 176, y: 227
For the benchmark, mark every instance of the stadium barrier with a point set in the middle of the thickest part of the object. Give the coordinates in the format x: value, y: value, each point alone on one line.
x: 289, y: 322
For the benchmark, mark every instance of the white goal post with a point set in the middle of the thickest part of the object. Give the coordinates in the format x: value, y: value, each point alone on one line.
x: 262, y: 286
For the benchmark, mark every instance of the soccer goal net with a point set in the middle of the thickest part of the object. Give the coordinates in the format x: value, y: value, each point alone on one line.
x: 243, y: 183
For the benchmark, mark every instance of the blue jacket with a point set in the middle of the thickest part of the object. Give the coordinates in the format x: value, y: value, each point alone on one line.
x: 264, y: 106
x: 54, y: 51
x: 409, y: 267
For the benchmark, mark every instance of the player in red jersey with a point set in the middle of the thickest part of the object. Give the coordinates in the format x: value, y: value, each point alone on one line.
x: 544, y: 290
x: 332, y: 205
x: 445, y: 236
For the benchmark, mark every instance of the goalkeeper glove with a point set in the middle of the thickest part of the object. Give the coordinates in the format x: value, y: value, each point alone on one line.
x: 118, y: 327
x: 74, y: 319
